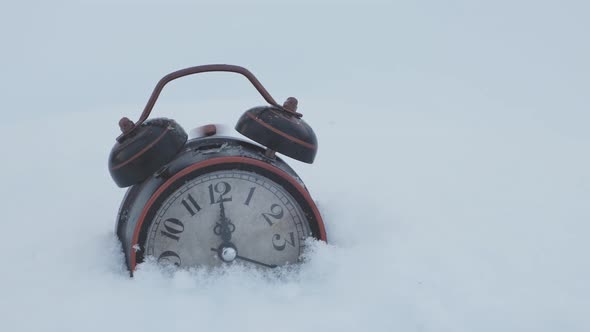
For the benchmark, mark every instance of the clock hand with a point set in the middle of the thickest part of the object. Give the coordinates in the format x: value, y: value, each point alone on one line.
x: 228, y: 254
x: 222, y: 208
x: 224, y: 227
x: 254, y: 261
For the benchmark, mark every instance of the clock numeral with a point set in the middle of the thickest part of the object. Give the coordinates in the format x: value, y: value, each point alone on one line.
x: 247, y: 202
x: 222, y: 188
x: 276, y: 212
x: 173, y: 227
x: 169, y: 257
x: 279, y: 243
x: 191, y: 205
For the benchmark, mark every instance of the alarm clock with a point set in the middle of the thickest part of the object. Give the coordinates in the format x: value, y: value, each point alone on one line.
x: 215, y: 200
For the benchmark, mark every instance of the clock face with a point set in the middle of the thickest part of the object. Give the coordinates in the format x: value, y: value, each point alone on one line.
x: 228, y: 216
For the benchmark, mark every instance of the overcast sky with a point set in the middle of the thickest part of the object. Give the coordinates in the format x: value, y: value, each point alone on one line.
x: 452, y: 173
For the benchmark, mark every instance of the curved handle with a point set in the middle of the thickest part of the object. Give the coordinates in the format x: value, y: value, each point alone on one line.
x: 127, y: 126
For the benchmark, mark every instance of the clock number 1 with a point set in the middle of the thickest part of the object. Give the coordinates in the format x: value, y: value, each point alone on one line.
x: 250, y: 193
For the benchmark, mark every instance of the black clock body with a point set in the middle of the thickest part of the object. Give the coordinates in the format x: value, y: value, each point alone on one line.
x: 198, y: 157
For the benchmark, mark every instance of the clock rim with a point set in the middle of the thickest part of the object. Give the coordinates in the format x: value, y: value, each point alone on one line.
x: 301, y: 190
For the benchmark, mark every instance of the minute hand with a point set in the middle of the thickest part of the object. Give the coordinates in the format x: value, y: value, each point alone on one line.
x: 224, y: 227
x: 249, y: 260
x: 255, y: 261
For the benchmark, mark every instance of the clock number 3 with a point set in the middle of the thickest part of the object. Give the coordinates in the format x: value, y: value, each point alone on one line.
x: 279, y: 243
x: 221, y: 188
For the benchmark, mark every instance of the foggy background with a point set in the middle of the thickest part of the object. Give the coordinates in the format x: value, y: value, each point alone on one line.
x: 452, y: 171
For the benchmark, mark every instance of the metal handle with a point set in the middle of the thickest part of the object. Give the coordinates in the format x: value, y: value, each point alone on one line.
x: 127, y: 126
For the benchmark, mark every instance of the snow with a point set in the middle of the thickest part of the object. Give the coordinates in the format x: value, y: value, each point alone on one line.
x: 452, y: 172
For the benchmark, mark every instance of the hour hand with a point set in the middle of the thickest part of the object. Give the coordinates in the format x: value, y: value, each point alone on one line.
x: 224, y: 227
x: 222, y: 209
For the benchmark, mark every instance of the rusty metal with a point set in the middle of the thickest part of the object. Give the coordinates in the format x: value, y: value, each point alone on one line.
x: 290, y: 104
x: 126, y: 125
x: 195, y: 70
x: 209, y: 130
x: 269, y: 153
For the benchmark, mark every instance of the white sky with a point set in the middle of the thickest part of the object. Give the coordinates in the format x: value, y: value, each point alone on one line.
x: 453, y: 168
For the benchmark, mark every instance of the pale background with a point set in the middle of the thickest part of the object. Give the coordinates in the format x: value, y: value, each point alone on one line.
x: 453, y: 170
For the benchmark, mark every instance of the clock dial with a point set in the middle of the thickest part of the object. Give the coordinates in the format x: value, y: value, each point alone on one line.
x: 228, y: 216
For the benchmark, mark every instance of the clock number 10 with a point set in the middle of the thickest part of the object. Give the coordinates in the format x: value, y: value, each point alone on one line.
x: 172, y: 228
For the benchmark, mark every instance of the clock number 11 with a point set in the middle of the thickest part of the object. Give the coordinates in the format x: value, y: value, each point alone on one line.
x: 191, y: 205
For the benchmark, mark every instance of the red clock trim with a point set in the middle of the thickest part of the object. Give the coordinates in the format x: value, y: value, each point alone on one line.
x: 287, y: 136
x: 217, y: 161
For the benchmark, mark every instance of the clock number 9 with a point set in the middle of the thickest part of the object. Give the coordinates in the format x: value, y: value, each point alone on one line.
x: 169, y: 257
x: 276, y: 212
x: 280, y: 243
x: 222, y: 188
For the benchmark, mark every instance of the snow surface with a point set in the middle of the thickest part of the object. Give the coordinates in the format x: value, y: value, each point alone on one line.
x: 453, y: 170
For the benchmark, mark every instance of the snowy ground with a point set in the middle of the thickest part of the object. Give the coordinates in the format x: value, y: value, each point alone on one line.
x: 453, y: 170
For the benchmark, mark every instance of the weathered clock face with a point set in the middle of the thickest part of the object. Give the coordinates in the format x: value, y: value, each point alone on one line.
x: 228, y: 216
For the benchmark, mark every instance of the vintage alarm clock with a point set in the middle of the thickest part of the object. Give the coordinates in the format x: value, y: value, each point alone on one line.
x: 215, y: 200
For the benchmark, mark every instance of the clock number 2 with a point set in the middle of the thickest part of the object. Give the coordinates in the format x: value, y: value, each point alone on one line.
x: 279, y: 243
x: 172, y: 228
x: 221, y: 188
x: 276, y: 212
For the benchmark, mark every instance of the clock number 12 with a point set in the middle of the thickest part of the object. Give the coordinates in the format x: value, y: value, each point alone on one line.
x: 221, y: 188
